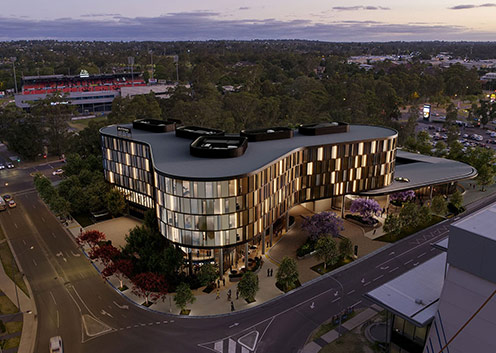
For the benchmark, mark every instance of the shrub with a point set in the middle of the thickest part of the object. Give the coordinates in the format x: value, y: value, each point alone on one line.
x: 306, y: 248
x: 287, y: 273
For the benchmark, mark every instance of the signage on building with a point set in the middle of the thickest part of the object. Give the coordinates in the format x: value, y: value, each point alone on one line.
x: 123, y: 130
x: 427, y: 111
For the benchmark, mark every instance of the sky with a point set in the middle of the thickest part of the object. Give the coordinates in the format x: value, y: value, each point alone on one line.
x: 169, y: 20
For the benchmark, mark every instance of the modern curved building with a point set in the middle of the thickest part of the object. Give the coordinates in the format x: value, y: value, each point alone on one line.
x: 218, y: 194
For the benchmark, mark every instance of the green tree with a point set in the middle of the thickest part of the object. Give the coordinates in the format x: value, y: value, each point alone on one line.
x: 425, y: 214
x: 409, y: 214
x: 248, y: 286
x: 287, y: 273
x: 456, y: 199
x: 116, y: 203
x: 439, y: 205
x: 183, y: 296
x: 207, y: 274
x: 173, y: 259
x: 392, y: 225
x: 327, y: 250
x: 345, y: 248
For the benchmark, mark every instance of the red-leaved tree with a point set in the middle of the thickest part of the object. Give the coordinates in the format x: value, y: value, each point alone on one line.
x: 149, y: 286
x: 106, y: 253
x: 120, y: 269
x: 91, y: 238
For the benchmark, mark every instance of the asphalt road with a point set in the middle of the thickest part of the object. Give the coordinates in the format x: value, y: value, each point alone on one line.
x: 73, y: 301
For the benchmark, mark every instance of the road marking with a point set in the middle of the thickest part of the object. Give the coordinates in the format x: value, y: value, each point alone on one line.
x: 128, y: 326
x: 433, y: 249
x: 136, y: 325
x: 150, y: 324
x: 384, y: 268
x: 366, y: 284
x: 416, y: 263
x: 312, y: 305
x: 35, y: 262
x: 165, y: 321
x: 351, y: 291
x: 15, y: 225
x: 394, y: 269
x: 172, y: 321
x: 421, y: 255
x: 234, y: 325
x: 34, y: 206
x: 143, y: 325
x: 392, y: 253
x: 406, y: 263
x: 379, y: 277
x: 121, y: 306
x: 23, y: 241
x: 335, y: 300
x: 43, y: 219
x: 105, y: 313
x: 358, y: 302
x: 232, y: 346
x: 158, y: 323
x: 58, y: 319
x: 54, y: 235
x: 53, y: 298
x: 75, y: 255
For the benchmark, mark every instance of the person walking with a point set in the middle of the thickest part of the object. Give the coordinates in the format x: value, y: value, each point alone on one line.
x: 232, y: 306
x: 224, y: 281
x: 237, y: 293
x: 229, y: 295
x: 218, y: 294
x: 268, y: 272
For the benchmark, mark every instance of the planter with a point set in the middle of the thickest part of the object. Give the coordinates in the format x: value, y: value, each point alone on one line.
x: 185, y: 312
x: 358, y: 221
x: 307, y: 255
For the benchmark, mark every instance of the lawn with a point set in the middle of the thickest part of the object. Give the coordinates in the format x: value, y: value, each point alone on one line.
x: 13, y: 326
x: 389, y: 238
x: 320, y: 267
x: 83, y: 123
x: 6, y: 306
x: 12, y: 342
x: 10, y: 266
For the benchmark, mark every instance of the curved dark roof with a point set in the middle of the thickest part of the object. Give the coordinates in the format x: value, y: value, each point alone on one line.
x: 171, y: 155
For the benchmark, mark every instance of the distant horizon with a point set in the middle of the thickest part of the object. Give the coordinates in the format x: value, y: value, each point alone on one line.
x: 195, y: 20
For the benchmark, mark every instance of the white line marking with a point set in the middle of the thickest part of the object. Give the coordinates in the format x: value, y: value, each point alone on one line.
x: 15, y: 225
x: 35, y: 263
x: 23, y: 241
x: 366, y: 284
x: 165, y: 321
x: 351, y: 291
x: 394, y: 269
x: 136, y: 325
x: 358, y: 302
x: 406, y: 263
x: 43, y: 219
x: 335, y: 300
x: 54, y: 235
x: 58, y: 319
x: 232, y: 346
x: 128, y: 326
x: 150, y: 324
x: 433, y: 249
x: 53, y: 298
x: 379, y: 277
x: 421, y: 255
x: 158, y: 323
x: 391, y: 253
x: 416, y: 263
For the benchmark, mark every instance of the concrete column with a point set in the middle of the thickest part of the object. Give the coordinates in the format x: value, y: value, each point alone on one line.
x: 221, y: 263
x: 246, y: 255
x: 263, y: 241
x: 432, y: 190
x: 190, y: 258
x: 287, y: 221
x: 271, y: 233
x: 342, y: 206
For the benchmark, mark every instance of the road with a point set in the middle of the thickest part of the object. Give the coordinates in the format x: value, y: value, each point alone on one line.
x: 73, y: 301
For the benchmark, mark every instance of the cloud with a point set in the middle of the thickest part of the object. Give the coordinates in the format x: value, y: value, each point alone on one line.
x: 100, y: 15
x: 244, y: 8
x: 465, y: 7
x: 203, y: 25
x: 355, y: 8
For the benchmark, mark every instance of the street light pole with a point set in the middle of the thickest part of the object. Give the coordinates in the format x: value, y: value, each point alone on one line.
x: 14, y: 275
x: 340, y: 304
x: 13, y: 59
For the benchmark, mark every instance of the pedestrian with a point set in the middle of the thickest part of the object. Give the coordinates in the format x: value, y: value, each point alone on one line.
x: 268, y: 272
x: 224, y: 281
x: 375, y: 229
x: 218, y: 294
x: 81, y: 230
x: 271, y: 272
x: 229, y: 295
x: 237, y: 293
x: 232, y: 306
x: 218, y: 283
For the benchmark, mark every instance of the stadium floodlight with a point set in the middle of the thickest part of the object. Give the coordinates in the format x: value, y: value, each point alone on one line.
x: 130, y: 61
x: 13, y: 59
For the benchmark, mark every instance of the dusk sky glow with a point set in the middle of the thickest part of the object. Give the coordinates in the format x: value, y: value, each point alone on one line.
x: 378, y: 20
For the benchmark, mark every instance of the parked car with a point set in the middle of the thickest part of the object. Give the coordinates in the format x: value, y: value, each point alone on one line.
x: 7, y: 197
x: 58, y: 172
x: 12, y: 204
x: 2, y: 166
x: 10, y: 165
x: 55, y: 345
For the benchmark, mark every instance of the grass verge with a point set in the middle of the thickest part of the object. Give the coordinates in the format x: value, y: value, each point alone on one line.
x: 13, y: 326
x: 390, y: 238
x: 6, y: 306
x: 328, y: 326
x: 10, y: 266
x: 11, y: 342
x: 319, y: 268
x: 83, y: 123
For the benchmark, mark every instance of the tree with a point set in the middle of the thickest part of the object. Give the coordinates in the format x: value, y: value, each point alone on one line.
x: 287, y: 273
x: 327, y: 250
x: 402, y: 196
x: 92, y: 238
x: 324, y: 223
x: 207, y: 274
x: 248, y: 286
x: 173, y: 260
x: 439, y: 205
x: 184, y: 296
x: 456, y: 199
x: 120, y: 268
x: 116, y: 203
x: 392, y: 225
x: 367, y: 208
x: 149, y: 285
x: 424, y: 214
x: 345, y: 248
x: 409, y: 214
x: 106, y: 253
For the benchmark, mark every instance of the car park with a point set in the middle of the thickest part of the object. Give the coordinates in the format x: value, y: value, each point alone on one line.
x: 12, y: 204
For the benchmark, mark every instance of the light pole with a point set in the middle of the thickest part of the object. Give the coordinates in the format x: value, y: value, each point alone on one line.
x: 340, y: 303
x: 13, y: 59
x: 130, y: 61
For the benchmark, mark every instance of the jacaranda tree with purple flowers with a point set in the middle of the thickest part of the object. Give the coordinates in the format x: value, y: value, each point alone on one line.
x: 366, y: 208
x: 402, y: 196
x: 324, y: 223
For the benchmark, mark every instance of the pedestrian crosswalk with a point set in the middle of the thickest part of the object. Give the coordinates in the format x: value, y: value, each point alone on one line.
x: 230, y: 346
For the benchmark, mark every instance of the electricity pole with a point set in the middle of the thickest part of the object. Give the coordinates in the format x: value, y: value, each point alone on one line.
x: 13, y: 59
x: 130, y: 61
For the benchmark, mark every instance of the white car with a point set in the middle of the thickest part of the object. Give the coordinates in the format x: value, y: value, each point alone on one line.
x: 56, y: 345
x: 2, y: 166
x: 58, y: 172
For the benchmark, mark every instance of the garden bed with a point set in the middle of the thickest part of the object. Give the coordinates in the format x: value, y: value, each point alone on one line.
x: 307, y: 248
x: 390, y: 238
x: 185, y: 312
x: 297, y: 284
x: 319, y: 268
x: 361, y: 222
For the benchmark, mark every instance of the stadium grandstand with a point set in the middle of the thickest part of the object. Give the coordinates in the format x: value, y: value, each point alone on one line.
x: 91, y: 93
